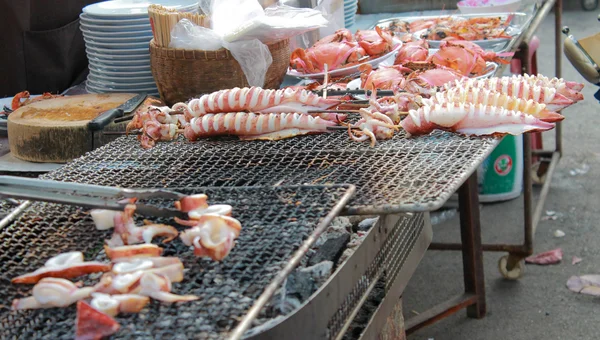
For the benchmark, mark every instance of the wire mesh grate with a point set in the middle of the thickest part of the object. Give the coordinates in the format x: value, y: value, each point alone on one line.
x: 275, y: 222
x: 398, y: 175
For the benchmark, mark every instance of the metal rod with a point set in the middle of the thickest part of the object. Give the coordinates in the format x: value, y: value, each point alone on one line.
x: 527, y: 195
x: 516, y: 249
x: 246, y: 322
x: 332, y: 111
x: 14, y: 214
x: 439, y: 312
x: 558, y: 65
x: 544, y: 193
x: 472, y: 254
x: 359, y: 92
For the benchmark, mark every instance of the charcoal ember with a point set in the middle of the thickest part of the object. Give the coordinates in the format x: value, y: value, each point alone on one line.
x: 339, y: 226
x: 367, y: 224
x: 356, y: 240
x: 300, y: 285
x: 331, y: 250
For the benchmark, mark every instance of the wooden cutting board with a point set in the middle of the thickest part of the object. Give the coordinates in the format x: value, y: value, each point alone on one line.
x: 55, y: 130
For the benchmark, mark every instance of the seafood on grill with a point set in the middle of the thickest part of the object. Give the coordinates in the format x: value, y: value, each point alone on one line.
x: 158, y: 287
x: 520, y: 88
x: 24, y: 98
x: 212, y: 236
x: 120, y: 303
x: 471, y: 119
x: 385, y: 78
x: 426, y: 82
x: 170, y: 267
x: 92, y: 323
x: 66, y: 266
x: 192, y: 202
x: 52, y: 292
x: 372, y: 126
x: 126, y: 232
x: 413, y: 51
x: 132, y: 251
x: 255, y: 99
x: 196, y: 206
x: 487, y: 97
x: 154, y: 131
x: 159, y: 114
x: 482, y: 28
x: 252, y: 126
x: 570, y: 89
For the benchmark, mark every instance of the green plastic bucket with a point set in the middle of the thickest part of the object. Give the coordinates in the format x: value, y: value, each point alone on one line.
x: 500, y: 176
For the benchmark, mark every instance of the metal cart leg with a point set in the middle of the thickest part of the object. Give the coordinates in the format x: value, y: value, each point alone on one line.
x: 470, y: 231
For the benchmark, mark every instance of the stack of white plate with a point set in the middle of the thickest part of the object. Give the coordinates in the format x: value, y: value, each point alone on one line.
x: 117, y: 34
x: 350, y: 7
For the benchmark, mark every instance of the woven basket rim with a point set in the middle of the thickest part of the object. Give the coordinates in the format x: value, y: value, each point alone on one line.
x: 223, y: 53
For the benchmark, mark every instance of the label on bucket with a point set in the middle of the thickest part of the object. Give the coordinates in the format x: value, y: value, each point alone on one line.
x: 499, y: 173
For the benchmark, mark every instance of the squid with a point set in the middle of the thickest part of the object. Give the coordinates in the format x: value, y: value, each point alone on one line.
x: 212, y: 236
x: 92, y: 323
x: 115, y: 304
x: 471, y: 119
x: 126, y: 232
x: 52, y: 292
x: 66, y: 266
x: 373, y: 126
x: 132, y: 251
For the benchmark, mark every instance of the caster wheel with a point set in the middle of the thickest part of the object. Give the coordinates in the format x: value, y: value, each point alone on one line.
x: 515, y: 273
x: 589, y: 5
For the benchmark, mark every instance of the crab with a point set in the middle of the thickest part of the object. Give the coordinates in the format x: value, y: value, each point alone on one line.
x: 17, y: 103
x: 375, y: 43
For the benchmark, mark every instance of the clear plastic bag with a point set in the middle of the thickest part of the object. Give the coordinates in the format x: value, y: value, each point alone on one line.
x: 254, y: 57
x: 189, y: 36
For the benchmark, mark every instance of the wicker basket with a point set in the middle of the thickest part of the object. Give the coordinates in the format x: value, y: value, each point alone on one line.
x: 183, y: 74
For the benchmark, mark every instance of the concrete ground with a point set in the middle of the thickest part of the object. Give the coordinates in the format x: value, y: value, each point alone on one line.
x: 539, y: 305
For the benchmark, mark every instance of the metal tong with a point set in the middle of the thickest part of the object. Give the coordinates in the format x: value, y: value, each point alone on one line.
x: 87, y: 195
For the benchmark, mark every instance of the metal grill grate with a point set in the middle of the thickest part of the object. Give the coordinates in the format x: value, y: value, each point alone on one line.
x: 416, y: 174
x: 275, y: 223
x: 6, y: 207
x: 387, y: 264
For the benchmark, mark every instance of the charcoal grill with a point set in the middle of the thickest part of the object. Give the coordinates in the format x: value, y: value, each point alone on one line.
x: 279, y: 223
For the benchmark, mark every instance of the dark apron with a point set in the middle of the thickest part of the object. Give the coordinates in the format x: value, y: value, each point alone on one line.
x: 42, y: 48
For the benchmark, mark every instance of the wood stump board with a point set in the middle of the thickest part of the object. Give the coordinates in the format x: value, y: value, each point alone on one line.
x: 55, y: 130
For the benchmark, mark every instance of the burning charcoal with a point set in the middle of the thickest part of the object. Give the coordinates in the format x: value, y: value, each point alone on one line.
x: 331, y: 250
x: 300, y: 285
x: 366, y: 225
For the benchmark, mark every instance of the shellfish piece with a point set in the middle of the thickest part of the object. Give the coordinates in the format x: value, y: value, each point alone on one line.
x: 158, y: 287
x: 192, y: 202
x: 259, y: 100
x: 132, y: 251
x: 216, y: 209
x: 93, y: 324
x: 487, y: 97
x: 114, y: 304
x: 66, y: 266
x: 104, y: 219
x: 252, y: 126
x: 426, y: 82
x: 373, y: 126
x: 471, y: 119
x: 52, y: 292
x: 213, y: 236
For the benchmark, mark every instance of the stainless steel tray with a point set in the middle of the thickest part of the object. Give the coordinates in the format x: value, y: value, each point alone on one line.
x: 520, y: 21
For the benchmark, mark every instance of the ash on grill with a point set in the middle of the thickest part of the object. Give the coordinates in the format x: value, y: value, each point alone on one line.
x: 276, y: 221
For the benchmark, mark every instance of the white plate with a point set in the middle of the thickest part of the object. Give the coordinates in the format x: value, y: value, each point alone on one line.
x: 121, y: 52
x: 92, y: 57
x: 140, y: 58
x: 113, y: 22
x: 121, y: 8
x: 343, y: 71
x: 109, y: 35
x: 134, y: 40
x: 99, y: 89
x: 121, y: 28
x: 105, y: 86
x: 89, y: 90
x: 117, y: 68
x: 98, y: 77
x: 495, y: 45
x: 116, y: 46
x: 119, y: 73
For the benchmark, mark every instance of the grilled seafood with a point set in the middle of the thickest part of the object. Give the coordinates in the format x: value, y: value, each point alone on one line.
x: 156, y: 114
x: 466, y: 60
x: 497, y: 99
x: 335, y: 54
x: 66, y: 266
x: 158, y: 287
x: 251, y: 126
x: 373, y: 126
x: 138, y: 250
x: 385, y: 78
x: 412, y: 51
x: 52, y: 292
x: 568, y: 89
x: 93, y: 324
x: 172, y: 267
x: 520, y: 88
x: 122, y: 303
x: 255, y: 99
x: 213, y: 236
x: 471, y: 119
x: 126, y: 232
x: 375, y: 43
x: 426, y: 82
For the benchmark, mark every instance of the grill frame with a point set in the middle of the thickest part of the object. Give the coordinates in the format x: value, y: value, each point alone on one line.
x: 333, y: 197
